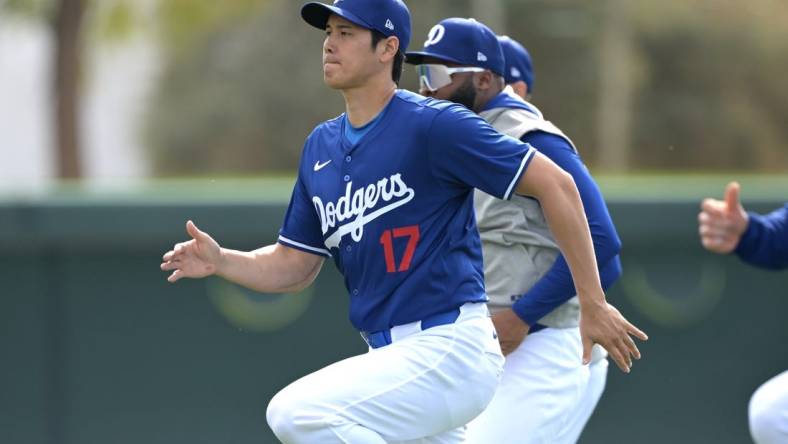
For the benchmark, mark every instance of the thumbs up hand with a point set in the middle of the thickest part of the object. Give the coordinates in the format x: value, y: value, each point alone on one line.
x: 722, y: 223
x: 196, y: 258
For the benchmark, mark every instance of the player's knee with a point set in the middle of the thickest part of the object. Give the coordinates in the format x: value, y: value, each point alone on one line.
x: 766, y: 425
x: 281, y: 417
x: 293, y: 419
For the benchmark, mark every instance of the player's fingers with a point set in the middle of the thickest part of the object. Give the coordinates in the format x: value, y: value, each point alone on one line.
x: 195, y: 232
x: 177, y: 251
x: 707, y: 230
x: 182, y: 247
x: 732, y: 196
x: 722, y: 233
x: 718, y: 244
x: 709, y: 204
x: 631, y: 347
x: 171, y: 265
x: 618, y: 358
x: 713, y: 244
x: 175, y: 276
x: 587, y: 345
x: 710, y: 239
x: 638, y: 333
x: 623, y: 348
x: 707, y: 220
x: 714, y: 207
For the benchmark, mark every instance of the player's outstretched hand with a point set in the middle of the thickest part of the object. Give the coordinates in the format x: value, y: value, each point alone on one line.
x: 721, y: 223
x: 511, y: 330
x: 603, y: 324
x: 196, y: 258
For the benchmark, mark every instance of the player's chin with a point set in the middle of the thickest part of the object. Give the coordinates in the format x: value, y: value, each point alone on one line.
x: 332, y: 76
x: 334, y: 82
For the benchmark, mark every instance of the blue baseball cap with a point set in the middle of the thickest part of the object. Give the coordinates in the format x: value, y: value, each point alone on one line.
x: 389, y: 17
x: 518, y: 62
x: 464, y: 41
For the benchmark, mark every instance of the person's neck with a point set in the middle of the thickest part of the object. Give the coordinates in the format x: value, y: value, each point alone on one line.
x: 485, y: 97
x: 364, y: 103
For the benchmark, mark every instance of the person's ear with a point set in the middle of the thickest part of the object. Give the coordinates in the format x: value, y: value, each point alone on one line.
x: 390, y: 47
x: 483, y: 80
x: 521, y: 89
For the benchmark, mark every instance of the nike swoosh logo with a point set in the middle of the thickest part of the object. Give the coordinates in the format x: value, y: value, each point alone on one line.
x: 319, y: 166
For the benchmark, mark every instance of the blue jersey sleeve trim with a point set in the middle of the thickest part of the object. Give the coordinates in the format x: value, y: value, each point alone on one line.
x: 303, y: 247
x: 523, y: 166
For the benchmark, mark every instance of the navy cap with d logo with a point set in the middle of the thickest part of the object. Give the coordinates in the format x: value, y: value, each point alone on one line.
x: 463, y: 41
x: 389, y: 17
x: 518, y: 62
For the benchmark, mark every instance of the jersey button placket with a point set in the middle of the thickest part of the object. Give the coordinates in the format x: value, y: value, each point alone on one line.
x: 346, y: 167
x: 346, y: 170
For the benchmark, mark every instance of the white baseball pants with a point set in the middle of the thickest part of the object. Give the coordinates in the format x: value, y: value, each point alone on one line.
x: 547, y: 395
x: 422, y: 388
x: 769, y: 411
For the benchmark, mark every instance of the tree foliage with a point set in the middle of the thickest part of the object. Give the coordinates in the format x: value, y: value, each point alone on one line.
x: 245, y: 98
x: 177, y: 22
x: 242, y: 86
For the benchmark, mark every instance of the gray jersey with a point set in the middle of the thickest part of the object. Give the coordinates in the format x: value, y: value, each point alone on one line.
x: 517, y: 244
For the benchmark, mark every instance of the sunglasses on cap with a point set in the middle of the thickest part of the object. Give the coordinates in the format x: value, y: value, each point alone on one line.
x: 433, y: 77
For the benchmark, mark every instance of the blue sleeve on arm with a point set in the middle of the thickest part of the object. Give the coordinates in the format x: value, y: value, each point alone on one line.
x: 765, y: 243
x: 466, y: 152
x: 302, y: 227
x: 556, y: 286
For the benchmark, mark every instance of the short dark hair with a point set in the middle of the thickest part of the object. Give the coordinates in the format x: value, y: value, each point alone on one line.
x: 399, y: 59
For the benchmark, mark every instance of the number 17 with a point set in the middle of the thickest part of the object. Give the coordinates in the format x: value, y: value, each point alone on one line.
x: 412, y: 232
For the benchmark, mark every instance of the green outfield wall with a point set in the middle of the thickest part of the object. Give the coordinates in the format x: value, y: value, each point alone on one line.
x: 96, y: 347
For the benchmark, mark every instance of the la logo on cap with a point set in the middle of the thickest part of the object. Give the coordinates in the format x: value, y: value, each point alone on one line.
x: 480, y: 57
x: 389, y: 25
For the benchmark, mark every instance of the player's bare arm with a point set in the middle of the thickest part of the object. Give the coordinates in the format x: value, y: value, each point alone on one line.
x: 272, y: 269
x: 600, y: 322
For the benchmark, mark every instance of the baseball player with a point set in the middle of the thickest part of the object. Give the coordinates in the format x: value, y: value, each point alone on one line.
x: 725, y: 227
x: 519, y: 75
x: 385, y: 190
x: 546, y: 395
x: 519, y: 72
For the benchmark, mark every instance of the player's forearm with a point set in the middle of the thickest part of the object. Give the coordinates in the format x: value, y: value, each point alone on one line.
x: 564, y: 213
x: 556, y: 287
x: 271, y: 269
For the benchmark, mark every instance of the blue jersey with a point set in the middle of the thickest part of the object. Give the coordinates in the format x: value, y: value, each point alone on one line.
x: 765, y: 243
x: 395, y: 209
